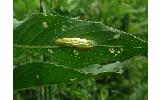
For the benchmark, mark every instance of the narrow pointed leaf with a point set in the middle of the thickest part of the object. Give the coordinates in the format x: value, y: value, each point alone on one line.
x: 39, y: 34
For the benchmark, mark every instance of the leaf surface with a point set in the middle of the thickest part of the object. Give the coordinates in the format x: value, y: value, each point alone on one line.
x: 39, y: 33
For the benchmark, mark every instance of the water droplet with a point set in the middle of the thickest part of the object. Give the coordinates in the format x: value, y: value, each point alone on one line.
x: 111, y: 50
x: 116, y: 36
x: 76, y: 52
x: 73, y: 79
x: 51, y: 51
x: 45, y: 24
x: 64, y: 27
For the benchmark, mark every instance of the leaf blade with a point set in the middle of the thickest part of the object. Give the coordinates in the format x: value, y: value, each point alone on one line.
x: 40, y: 32
x: 40, y: 74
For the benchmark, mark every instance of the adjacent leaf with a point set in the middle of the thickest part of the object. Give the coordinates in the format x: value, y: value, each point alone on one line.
x: 39, y: 74
x: 39, y: 33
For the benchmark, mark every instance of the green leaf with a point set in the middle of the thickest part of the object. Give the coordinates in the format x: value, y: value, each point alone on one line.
x: 41, y: 74
x: 38, y: 34
x: 16, y: 23
x: 38, y: 74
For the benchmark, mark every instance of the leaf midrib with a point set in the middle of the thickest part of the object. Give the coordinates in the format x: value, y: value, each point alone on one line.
x: 36, y: 46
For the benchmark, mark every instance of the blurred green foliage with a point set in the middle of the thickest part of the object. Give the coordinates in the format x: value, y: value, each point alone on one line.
x: 126, y: 15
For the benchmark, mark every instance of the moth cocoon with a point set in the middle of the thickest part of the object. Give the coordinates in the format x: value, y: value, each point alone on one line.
x: 75, y: 42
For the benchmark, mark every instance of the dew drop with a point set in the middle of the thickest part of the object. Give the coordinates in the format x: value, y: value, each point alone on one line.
x: 111, y: 50
x: 45, y: 24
